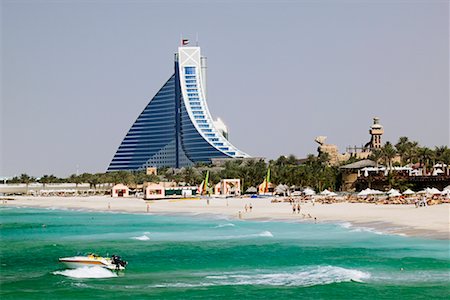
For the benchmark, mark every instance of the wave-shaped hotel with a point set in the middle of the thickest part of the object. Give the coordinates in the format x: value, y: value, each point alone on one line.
x: 176, y: 128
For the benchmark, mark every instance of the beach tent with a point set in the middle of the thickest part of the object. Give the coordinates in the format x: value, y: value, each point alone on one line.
x: 408, y: 192
x: 332, y: 194
x: 392, y: 191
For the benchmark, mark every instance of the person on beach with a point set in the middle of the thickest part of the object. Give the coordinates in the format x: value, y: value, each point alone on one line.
x: 298, y: 208
x: 240, y: 214
x: 251, y: 207
x: 246, y: 208
x: 294, y: 208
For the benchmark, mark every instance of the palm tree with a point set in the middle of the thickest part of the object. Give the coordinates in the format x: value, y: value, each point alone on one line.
x: 425, y: 156
x: 376, y: 155
x: 402, y: 147
x: 389, y: 154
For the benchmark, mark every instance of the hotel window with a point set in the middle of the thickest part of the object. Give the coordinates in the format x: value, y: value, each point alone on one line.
x: 210, y: 134
x: 191, y: 85
x: 190, y: 77
x: 195, y: 103
x: 201, y: 121
x: 192, y: 90
x: 189, y: 70
x: 203, y: 126
x: 191, y: 80
x: 196, y: 107
x: 207, y: 130
x: 199, y: 117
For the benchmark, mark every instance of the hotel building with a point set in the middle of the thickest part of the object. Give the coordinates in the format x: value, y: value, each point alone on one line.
x: 176, y: 129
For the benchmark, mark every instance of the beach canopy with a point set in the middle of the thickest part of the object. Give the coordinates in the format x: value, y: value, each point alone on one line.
x: 392, y: 191
x: 433, y: 191
x: 332, y: 194
x: 369, y: 191
x: 408, y: 192
x: 325, y: 192
x: 251, y: 190
x: 395, y: 194
x: 309, y: 192
x: 281, y: 189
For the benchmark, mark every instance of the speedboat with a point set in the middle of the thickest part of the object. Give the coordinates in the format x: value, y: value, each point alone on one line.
x: 93, y: 260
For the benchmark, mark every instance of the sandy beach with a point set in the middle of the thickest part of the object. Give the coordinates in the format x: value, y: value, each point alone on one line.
x: 431, y: 221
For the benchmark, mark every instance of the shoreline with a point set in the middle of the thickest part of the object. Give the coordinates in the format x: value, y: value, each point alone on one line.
x: 431, y: 222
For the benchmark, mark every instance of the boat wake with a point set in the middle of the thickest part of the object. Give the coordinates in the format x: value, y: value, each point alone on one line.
x: 87, y: 272
x: 310, y: 276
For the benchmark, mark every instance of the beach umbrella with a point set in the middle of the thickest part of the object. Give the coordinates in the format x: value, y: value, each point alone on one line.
x: 325, y: 192
x: 392, y: 191
x: 251, y: 190
x: 332, y: 194
x: 434, y: 191
x: 364, y: 192
x: 408, y: 192
x: 395, y: 194
x: 309, y: 192
x: 376, y: 192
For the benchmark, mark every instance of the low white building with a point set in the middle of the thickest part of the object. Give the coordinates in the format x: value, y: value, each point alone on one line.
x: 120, y: 190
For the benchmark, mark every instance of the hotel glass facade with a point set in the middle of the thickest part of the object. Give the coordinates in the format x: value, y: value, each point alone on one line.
x: 176, y: 128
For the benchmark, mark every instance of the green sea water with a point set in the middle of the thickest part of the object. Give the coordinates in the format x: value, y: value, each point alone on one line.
x: 207, y: 257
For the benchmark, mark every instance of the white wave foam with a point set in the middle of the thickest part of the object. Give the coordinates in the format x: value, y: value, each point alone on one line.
x: 141, y: 238
x: 345, y: 225
x: 87, y: 272
x: 307, y: 277
x: 348, y: 225
x: 265, y: 234
x: 225, y: 225
x: 244, y: 236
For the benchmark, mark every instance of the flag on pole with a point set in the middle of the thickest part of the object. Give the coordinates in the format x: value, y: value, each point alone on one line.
x: 184, y: 42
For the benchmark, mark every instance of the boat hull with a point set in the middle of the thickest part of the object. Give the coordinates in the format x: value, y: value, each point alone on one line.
x: 74, y: 263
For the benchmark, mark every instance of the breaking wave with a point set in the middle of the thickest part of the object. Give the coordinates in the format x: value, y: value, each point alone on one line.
x: 225, y: 225
x: 87, y: 272
x: 141, y: 238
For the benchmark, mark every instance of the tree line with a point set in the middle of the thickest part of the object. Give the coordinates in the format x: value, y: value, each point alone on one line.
x: 314, y: 171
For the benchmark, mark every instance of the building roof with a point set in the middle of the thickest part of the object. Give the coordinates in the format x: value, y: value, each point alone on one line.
x: 360, y: 164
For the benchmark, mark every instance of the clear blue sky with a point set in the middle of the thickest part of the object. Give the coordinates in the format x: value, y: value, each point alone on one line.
x: 76, y: 74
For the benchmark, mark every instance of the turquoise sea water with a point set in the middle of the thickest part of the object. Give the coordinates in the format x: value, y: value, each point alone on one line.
x: 205, y: 257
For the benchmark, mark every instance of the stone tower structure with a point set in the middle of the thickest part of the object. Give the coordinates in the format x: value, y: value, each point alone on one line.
x: 376, y: 131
